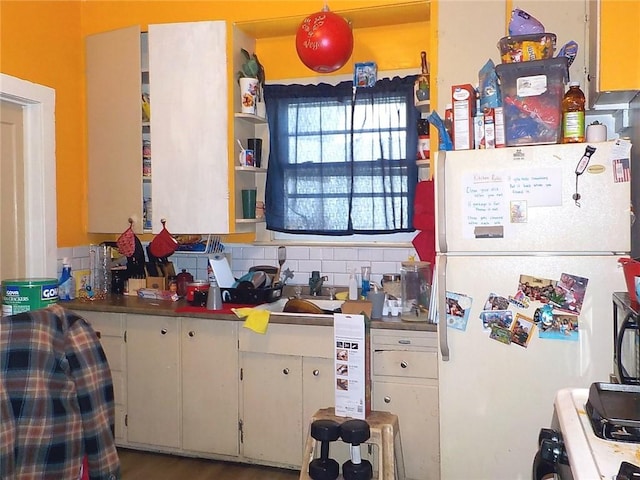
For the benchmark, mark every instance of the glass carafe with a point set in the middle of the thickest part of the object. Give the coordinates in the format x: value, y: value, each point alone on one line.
x: 416, y: 290
x: 100, y: 263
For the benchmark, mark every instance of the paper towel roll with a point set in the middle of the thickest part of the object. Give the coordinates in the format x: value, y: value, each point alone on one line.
x: 596, y: 133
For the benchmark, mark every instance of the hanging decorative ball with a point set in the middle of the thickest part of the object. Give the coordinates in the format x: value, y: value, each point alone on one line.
x: 324, y: 41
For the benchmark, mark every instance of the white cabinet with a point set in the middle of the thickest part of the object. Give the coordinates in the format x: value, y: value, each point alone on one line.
x: 110, y: 329
x: 272, y: 407
x: 209, y: 374
x: 286, y: 376
x: 189, y: 128
x: 183, y: 384
x: 153, y: 380
x: 114, y: 129
x: 568, y: 20
x: 405, y: 382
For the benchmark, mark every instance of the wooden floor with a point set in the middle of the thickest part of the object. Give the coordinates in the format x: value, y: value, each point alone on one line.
x: 146, y: 466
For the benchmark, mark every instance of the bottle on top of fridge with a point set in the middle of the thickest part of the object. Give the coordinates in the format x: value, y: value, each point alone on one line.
x: 573, y: 111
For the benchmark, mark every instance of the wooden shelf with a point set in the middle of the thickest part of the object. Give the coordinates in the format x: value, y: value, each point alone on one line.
x: 369, y: 17
x: 250, y: 220
x: 251, y: 169
x: 423, y: 106
x: 250, y: 118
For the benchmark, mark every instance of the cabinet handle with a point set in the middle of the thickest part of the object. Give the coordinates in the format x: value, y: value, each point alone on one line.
x: 404, y: 364
x: 316, y: 373
x: 285, y: 371
x: 163, y: 331
x: 387, y: 399
x: 404, y: 342
x: 192, y: 333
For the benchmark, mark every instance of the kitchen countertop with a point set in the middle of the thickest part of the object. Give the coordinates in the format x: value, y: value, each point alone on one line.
x: 128, y: 304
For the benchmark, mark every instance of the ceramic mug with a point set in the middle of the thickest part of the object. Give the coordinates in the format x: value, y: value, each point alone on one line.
x: 246, y: 158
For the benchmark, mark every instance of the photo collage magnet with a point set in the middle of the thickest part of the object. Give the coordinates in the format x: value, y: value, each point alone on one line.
x: 550, y: 306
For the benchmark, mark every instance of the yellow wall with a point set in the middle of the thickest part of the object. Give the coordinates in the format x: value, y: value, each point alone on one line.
x: 620, y: 56
x: 40, y: 42
x: 43, y: 42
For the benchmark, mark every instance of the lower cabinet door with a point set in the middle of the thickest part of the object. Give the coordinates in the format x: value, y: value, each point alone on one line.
x: 271, y: 387
x: 417, y: 410
x: 153, y: 380
x: 209, y: 386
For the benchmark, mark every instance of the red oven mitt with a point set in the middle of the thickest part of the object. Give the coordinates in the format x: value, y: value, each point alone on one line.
x: 163, y: 244
x: 127, y: 242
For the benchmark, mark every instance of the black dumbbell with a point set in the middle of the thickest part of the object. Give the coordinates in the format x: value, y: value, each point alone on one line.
x: 324, y: 468
x: 356, y: 432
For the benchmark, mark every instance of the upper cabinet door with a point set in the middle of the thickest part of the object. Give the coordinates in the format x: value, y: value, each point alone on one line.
x: 189, y: 126
x: 114, y: 130
x: 619, y: 39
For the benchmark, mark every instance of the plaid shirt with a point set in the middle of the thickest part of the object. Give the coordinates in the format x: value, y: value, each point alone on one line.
x: 56, y: 399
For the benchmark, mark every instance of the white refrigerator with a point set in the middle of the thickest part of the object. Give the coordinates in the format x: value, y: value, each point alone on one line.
x: 525, y: 270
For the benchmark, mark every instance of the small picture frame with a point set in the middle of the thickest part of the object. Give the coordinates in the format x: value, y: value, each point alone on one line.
x: 522, y: 330
x: 83, y: 279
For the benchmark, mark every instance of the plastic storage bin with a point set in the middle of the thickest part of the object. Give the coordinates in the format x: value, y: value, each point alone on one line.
x: 527, y: 48
x: 532, y: 99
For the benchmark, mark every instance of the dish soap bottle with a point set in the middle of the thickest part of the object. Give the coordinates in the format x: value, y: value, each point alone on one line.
x: 573, y: 105
x: 67, y: 284
x: 353, y: 287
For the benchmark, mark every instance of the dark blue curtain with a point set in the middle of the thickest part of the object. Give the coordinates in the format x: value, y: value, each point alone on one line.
x: 341, y: 162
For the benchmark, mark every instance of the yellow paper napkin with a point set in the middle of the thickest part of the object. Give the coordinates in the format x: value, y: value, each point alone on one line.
x: 256, y: 319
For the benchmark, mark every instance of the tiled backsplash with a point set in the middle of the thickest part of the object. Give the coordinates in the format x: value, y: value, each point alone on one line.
x: 333, y: 262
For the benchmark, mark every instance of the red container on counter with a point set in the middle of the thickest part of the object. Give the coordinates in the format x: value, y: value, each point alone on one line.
x: 183, y: 279
x: 197, y: 286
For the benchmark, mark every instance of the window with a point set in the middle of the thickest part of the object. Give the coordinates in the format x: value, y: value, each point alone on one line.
x: 341, y: 164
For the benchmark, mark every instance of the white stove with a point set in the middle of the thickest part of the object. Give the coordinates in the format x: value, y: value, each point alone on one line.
x: 590, y: 457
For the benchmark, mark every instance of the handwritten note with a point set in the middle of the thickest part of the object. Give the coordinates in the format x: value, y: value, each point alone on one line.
x: 487, y: 196
x: 539, y: 187
x: 485, y: 203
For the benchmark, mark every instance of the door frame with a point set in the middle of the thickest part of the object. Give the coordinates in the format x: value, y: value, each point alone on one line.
x: 38, y: 102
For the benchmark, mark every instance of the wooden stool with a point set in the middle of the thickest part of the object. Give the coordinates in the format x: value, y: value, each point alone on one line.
x: 385, y: 433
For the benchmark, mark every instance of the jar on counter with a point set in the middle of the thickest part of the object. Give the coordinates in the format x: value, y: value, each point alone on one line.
x: 416, y: 290
x: 182, y: 280
x: 392, y: 285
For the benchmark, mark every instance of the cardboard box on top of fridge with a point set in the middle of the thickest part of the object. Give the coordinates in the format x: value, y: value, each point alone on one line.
x: 532, y: 100
x: 498, y: 113
x: 463, y: 102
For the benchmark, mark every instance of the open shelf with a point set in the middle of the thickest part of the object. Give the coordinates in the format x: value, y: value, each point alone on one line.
x: 396, y: 14
x: 250, y: 117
